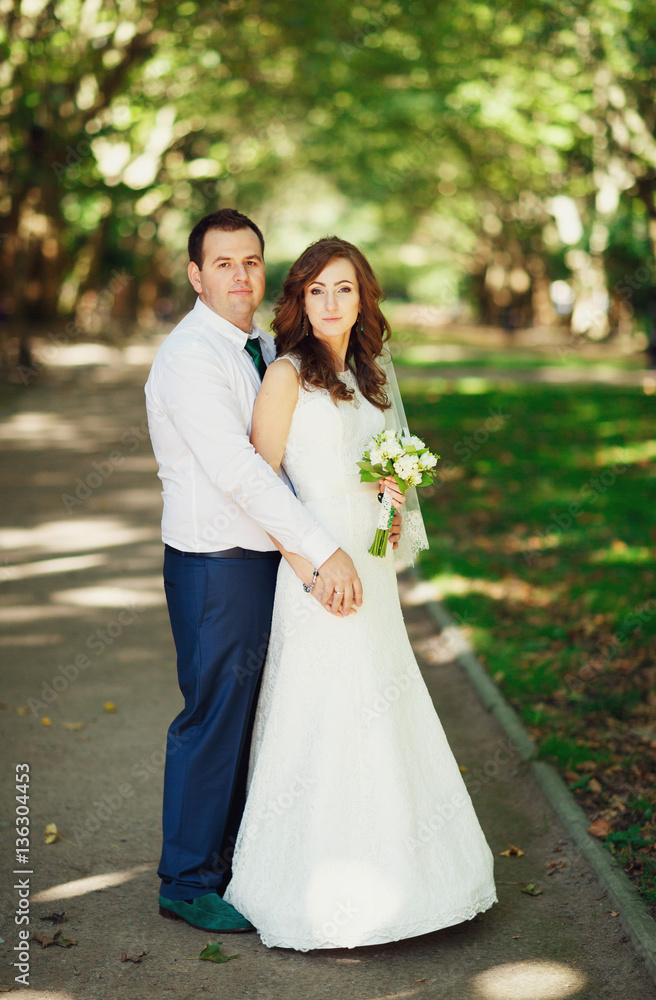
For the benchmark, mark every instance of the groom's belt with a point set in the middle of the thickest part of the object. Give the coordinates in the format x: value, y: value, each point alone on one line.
x: 334, y: 486
x: 234, y: 553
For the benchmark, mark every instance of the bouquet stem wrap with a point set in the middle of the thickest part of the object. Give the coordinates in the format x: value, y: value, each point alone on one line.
x: 385, y: 518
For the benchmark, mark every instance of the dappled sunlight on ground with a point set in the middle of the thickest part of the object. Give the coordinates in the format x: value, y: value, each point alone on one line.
x: 21, y: 571
x: 75, y: 535
x: 622, y: 553
x: 529, y: 981
x: 75, y: 355
x: 510, y: 588
x: 636, y: 451
x: 142, y: 592
x: 28, y: 994
x: 507, y: 589
x: 35, y: 430
x: 82, y: 886
x: 479, y: 378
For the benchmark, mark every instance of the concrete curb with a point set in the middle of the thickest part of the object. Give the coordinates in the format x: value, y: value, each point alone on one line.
x: 635, y: 919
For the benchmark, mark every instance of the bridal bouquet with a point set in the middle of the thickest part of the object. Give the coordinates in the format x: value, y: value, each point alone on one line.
x: 402, y: 456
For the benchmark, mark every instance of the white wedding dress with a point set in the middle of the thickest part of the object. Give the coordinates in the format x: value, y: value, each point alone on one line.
x: 358, y: 827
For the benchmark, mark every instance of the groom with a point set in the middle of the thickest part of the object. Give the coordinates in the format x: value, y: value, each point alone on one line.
x: 223, y: 504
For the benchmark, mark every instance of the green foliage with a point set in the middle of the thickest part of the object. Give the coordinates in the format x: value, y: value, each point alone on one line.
x: 627, y: 838
x: 434, y: 134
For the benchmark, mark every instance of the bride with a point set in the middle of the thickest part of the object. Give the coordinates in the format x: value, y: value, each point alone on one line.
x: 358, y: 828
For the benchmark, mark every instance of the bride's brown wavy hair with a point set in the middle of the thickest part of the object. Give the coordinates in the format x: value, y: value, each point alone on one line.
x: 365, y: 345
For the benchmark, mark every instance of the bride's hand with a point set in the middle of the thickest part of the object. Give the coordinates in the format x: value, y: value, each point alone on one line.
x: 395, y: 529
x: 304, y: 570
x: 389, y: 485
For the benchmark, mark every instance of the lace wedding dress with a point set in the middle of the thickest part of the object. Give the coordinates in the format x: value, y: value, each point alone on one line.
x: 358, y: 827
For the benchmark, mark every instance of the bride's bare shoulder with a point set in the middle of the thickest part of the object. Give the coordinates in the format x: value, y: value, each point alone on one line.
x: 286, y: 364
x: 279, y: 385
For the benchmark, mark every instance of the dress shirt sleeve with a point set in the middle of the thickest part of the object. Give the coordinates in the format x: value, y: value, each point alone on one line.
x: 204, y: 409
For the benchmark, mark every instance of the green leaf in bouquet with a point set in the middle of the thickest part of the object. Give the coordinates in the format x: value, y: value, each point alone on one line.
x: 368, y: 469
x: 369, y: 477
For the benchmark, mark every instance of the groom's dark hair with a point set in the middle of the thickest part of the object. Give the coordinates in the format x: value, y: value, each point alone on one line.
x: 229, y: 220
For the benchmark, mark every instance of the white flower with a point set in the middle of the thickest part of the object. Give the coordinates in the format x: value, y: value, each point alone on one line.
x: 407, y: 466
x: 393, y: 449
x: 427, y: 460
x: 414, y: 479
x: 389, y: 436
x: 376, y: 457
x: 412, y: 441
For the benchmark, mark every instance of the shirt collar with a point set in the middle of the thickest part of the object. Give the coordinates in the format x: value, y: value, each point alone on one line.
x: 224, y: 326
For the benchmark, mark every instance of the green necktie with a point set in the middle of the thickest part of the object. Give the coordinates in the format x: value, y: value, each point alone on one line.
x: 255, y: 350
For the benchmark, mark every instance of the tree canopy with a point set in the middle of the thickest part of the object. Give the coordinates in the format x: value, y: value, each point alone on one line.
x: 471, y: 148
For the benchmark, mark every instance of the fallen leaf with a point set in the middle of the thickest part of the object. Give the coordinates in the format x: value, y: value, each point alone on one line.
x: 109, y: 706
x: 23, y: 710
x: 56, y: 918
x: 133, y: 958
x: 614, y: 913
x: 515, y: 937
x: 594, y: 786
x: 73, y: 727
x: 43, y: 939
x: 600, y: 897
x: 212, y: 953
x: 600, y: 828
x: 531, y: 888
x: 420, y: 980
x: 6, y: 989
x: 555, y: 866
x: 45, y: 721
x: 62, y: 941
x: 51, y: 833
x: 512, y: 852
x: 463, y: 770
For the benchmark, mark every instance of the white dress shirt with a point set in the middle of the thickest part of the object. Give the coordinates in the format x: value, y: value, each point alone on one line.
x: 218, y: 492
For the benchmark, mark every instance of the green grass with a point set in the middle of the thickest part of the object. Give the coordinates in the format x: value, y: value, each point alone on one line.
x: 439, y: 356
x: 543, y: 536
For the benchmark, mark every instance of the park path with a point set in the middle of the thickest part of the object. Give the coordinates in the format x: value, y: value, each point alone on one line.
x: 83, y: 624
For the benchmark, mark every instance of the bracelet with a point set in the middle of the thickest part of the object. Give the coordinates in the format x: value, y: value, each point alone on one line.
x: 308, y: 590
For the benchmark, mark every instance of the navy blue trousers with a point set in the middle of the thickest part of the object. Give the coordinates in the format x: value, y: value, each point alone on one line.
x: 220, y: 611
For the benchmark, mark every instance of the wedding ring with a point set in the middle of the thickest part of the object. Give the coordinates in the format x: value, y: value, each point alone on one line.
x: 340, y: 592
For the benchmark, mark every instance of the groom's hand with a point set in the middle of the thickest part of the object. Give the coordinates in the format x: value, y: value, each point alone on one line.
x: 339, y: 584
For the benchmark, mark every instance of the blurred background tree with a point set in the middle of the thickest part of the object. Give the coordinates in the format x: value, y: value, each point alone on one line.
x: 478, y: 152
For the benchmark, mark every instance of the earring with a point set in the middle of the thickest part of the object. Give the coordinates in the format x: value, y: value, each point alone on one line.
x: 359, y: 320
x: 304, y: 332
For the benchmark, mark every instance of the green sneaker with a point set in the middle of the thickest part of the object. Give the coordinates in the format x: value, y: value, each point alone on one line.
x: 207, y: 913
